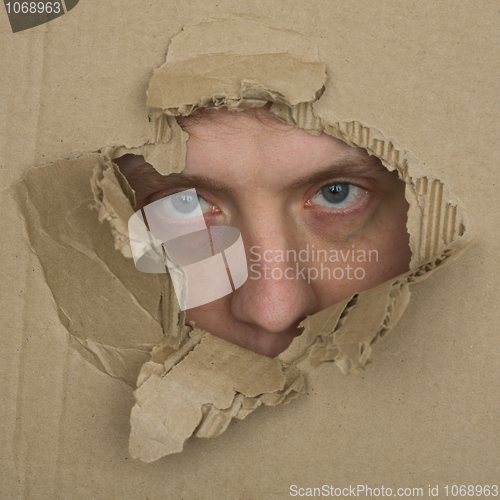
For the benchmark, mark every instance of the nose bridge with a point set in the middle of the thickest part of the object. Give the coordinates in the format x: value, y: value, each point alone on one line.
x: 269, y: 238
x: 277, y: 294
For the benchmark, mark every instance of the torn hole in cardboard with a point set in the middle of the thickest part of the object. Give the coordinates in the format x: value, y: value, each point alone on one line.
x: 129, y: 324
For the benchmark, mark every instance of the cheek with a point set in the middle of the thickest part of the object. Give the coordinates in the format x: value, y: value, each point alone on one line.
x: 361, y: 254
x: 391, y: 235
x: 386, y: 234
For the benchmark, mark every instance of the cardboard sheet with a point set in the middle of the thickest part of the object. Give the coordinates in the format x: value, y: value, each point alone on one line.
x: 82, y: 329
x: 170, y: 407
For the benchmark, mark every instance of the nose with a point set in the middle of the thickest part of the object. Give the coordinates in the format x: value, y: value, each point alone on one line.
x: 276, y: 295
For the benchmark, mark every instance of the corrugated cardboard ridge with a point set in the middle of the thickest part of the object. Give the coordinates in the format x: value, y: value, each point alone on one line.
x: 434, y: 220
x: 302, y: 116
x: 444, y: 223
x: 166, y: 150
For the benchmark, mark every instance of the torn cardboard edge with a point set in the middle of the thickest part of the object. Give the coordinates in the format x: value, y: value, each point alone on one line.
x: 116, y: 200
x: 192, y: 384
x: 197, y: 389
x: 172, y: 406
x: 89, y: 281
x: 340, y: 333
x: 200, y: 393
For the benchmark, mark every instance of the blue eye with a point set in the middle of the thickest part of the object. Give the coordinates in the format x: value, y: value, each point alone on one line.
x: 183, y: 205
x: 338, y: 195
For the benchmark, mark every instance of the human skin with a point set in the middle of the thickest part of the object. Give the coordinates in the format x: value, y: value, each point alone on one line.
x: 265, y: 178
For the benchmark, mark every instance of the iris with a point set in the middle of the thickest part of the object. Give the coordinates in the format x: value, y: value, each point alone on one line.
x: 335, y: 193
x: 184, y: 203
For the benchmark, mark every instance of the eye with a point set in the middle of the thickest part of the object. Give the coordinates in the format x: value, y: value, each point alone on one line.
x: 338, y: 195
x: 183, y: 205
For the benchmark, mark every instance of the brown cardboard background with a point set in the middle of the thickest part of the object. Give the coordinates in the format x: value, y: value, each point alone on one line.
x: 424, y: 412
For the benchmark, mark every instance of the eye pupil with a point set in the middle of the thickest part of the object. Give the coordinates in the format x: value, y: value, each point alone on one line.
x: 335, y: 193
x: 184, y: 203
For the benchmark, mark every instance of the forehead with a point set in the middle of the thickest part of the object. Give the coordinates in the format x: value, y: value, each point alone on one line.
x: 254, y: 146
x: 248, y: 126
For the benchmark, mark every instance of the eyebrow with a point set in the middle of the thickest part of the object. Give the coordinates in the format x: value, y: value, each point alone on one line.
x: 357, y: 167
x: 146, y: 177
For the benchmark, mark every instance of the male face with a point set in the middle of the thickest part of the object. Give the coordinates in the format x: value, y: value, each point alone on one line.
x: 319, y: 220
